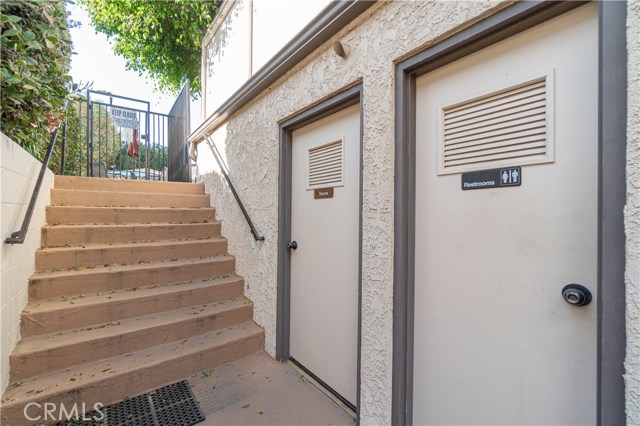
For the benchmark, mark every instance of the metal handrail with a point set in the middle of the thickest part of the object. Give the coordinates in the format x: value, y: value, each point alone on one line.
x: 18, y: 237
x: 223, y: 169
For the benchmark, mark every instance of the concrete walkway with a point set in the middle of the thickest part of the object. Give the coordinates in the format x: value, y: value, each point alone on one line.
x: 257, y: 390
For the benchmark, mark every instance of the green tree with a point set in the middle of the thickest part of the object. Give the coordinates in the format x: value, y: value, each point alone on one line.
x: 161, y: 38
x: 36, y: 48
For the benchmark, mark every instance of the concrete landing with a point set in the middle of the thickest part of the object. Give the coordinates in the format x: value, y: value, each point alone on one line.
x: 257, y: 390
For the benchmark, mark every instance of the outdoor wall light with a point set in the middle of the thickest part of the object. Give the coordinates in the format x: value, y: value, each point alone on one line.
x: 341, y: 50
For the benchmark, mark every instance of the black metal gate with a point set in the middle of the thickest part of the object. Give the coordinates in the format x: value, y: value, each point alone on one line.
x: 179, y: 129
x: 114, y: 136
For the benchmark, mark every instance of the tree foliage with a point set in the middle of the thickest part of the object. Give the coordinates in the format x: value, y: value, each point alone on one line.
x: 36, y: 48
x: 161, y: 38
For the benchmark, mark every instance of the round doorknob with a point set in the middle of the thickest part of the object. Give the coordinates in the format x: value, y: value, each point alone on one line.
x: 292, y: 245
x: 576, y: 294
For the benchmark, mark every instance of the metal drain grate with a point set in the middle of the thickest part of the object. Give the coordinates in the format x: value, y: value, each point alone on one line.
x: 171, y: 405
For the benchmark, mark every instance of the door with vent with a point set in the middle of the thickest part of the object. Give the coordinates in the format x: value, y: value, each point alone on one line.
x: 325, y: 223
x: 494, y: 340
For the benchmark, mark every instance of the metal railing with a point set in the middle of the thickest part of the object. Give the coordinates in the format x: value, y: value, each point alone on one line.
x: 93, y: 144
x: 18, y: 237
x: 223, y: 169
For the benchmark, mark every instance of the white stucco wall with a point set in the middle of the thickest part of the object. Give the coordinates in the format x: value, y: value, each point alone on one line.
x: 18, y: 173
x: 249, y: 141
x: 632, y: 214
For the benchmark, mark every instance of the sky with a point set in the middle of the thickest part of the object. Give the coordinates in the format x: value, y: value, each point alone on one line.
x: 95, y: 61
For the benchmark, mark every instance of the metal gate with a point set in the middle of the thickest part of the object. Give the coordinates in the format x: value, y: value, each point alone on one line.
x: 179, y: 128
x: 114, y: 136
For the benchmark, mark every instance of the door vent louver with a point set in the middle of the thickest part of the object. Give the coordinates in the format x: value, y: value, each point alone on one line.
x: 504, y: 127
x: 326, y: 165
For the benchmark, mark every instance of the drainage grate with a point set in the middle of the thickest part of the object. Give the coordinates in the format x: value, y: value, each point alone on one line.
x: 171, y: 405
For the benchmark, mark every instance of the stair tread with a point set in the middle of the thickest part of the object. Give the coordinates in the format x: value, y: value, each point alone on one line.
x: 105, y: 215
x: 68, y: 235
x: 121, y: 327
x: 140, y: 193
x: 134, y: 244
x: 73, y: 182
x: 47, y: 305
x: 120, y: 225
x: 46, y: 316
x: 115, y: 269
x: 140, y: 208
x: 47, y: 386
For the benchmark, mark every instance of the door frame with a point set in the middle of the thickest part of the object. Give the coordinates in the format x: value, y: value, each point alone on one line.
x: 348, y: 97
x: 612, y: 112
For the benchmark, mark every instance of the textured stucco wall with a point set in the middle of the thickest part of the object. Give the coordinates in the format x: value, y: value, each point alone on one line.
x: 632, y: 214
x: 249, y: 141
x: 18, y: 173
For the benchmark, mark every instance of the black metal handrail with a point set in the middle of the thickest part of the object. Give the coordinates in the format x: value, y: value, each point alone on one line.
x: 18, y: 237
x: 223, y: 169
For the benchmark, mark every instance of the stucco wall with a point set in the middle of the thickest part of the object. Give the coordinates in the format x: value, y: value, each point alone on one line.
x: 249, y: 141
x: 18, y: 173
x: 632, y: 213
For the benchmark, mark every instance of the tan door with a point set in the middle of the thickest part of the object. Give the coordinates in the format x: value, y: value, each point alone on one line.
x: 495, y: 342
x: 325, y: 223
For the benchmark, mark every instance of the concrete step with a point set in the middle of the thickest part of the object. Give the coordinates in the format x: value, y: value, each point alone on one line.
x: 60, y: 314
x: 57, y: 215
x: 121, y: 185
x: 45, y: 285
x: 63, y: 258
x: 57, y: 314
x: 76, y: 197
x: 64, y: 235
x: 44, y: 353
x: 113, y: 379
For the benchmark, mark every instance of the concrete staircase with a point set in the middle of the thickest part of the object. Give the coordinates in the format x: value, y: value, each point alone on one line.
x: 134, y: 289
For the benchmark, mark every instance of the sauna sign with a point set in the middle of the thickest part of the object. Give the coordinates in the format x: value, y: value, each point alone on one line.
x: 322, y: 193
x: 125, y: 118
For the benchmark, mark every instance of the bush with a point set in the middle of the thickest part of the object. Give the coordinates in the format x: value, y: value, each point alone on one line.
x: 36, y: 48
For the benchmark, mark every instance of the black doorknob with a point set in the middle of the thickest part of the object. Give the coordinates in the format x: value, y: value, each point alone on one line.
x: 292, y: 245
x: 576, y: 294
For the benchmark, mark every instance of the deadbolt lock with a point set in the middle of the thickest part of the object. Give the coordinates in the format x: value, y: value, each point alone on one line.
x: 576, y: 294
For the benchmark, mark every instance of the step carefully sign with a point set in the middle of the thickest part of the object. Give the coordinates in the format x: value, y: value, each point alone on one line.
x: 125, y: 118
